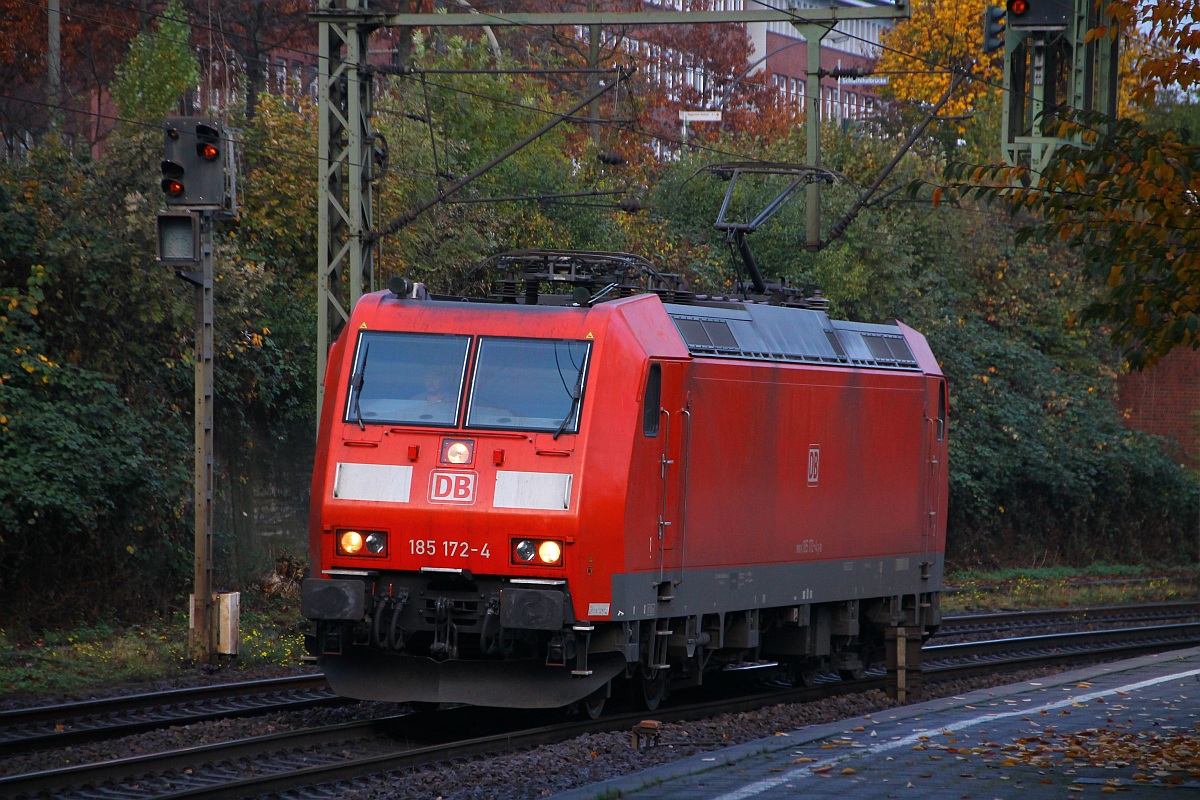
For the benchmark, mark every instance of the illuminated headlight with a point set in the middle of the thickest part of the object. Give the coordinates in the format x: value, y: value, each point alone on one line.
x: 547, y: 552
x: 362, y: 543
x: 350, y: 542
x: 550, y: 552
x: 458, y: 451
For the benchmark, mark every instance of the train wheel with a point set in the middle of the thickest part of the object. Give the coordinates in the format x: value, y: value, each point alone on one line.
x: 806, y: 677
x: 652, y: 688
x: 804, y: 673
x: 593, y: 704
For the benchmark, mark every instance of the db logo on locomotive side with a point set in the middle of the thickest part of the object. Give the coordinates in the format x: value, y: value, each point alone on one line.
x: 452, y: 487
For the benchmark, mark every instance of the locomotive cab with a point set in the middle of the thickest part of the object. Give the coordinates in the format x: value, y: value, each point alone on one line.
x: 447, y: 503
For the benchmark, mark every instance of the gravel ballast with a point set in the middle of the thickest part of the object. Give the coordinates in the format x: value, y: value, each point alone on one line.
x: 532, y: 774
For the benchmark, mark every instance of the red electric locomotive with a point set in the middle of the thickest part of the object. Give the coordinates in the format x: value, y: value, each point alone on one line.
x: 517, y: 502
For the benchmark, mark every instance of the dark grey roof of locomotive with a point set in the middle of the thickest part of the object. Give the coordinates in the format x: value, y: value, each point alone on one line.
x: 775, y: 333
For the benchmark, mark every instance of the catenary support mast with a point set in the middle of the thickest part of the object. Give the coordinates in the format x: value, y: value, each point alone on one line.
x: 345, y: 235
x: 344, y: 251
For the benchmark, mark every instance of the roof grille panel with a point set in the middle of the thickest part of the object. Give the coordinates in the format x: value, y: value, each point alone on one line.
x: 692, y: 331
x: 792, y: 335
x: 718, y: 331
x: 878, y: 347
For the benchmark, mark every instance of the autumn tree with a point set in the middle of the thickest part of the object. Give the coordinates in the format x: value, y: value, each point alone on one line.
x: 921, y: 55
x: 158, y: 69
x: 674, y: 67
x: 1170, y: 25
x: 94, y: 37
x: 252, y: 33
x: 708, y: 67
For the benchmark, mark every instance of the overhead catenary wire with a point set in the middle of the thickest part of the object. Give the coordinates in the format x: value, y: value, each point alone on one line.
x: 101, y: 115
x: 792, y: 13
x: 796, y: 16
x: 408, y: 216
x: 650, y: 134
x: 623, y: 125
x: 285, y: 151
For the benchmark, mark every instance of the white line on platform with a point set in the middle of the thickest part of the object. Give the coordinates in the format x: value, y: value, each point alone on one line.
x: 807, y: 771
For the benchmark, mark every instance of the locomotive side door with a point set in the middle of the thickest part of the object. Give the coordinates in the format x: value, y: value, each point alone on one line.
x: 668, y: 415
x: 935, y: 476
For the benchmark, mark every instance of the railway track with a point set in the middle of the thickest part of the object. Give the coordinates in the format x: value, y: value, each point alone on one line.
x: 73, y: 723
x: 339, y: 753
x: 1008, y: 622
x: 967, y: 658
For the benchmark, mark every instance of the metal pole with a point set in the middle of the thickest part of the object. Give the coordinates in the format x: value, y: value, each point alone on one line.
x: 54, y: 61
x: 593, y: 80
x: 813, y: 34
x: 203, y: 632
x: 359, y: 96
x: 344, y: 250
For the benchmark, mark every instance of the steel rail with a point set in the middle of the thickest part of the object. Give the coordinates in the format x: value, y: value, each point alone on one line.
x: 297, y: 760
x: 70, y: 723
x: 967, y: 657
x: 961, y: 624
x: 55, y: 782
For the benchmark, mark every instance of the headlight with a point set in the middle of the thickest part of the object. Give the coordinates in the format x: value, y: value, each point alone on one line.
x: 362, y: 543
x: 350, y: 542
x: 547, y: 552
x: 550, y: 552
x: 525, y: 550
x: 458, y: 451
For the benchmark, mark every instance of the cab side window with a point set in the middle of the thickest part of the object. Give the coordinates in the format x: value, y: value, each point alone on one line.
x: 652, y: 401
x: 941, y: 417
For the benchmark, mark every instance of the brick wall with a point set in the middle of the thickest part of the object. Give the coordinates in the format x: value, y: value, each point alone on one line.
x: 1165, y: 400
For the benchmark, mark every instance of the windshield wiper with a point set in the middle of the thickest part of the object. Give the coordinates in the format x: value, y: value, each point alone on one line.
x: 576, y: 392
x: 356, y: 384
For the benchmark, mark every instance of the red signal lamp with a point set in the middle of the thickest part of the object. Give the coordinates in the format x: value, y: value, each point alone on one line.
x: 208, y: 152
x: 1018, y: 7
x: 172, y: 180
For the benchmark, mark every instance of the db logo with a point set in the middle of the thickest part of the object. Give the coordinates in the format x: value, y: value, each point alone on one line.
x: 452, y: 487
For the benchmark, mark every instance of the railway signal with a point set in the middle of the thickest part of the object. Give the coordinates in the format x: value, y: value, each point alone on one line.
x: 193, y: 167
x: 199, y: 184
x: 995, y: 21
x: 179, y: 241
x: 1039, y: 14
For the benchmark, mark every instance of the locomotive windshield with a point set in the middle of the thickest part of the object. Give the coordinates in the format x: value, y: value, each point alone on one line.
x: 408, y: 378
x: 528, y: 384
x: 418, y: 379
